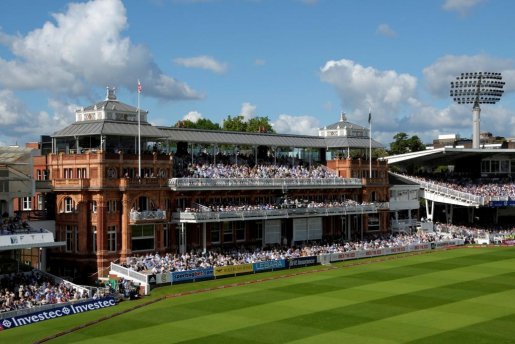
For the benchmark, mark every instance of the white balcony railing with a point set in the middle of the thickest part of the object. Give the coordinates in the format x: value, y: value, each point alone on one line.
x: 157, y: 215
x: 267, y: 183
x: 215, y: 216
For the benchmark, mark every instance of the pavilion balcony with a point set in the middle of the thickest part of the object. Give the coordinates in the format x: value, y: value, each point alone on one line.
x: 186, y: 184
x: 147, y: 216
x: 43, y: 185
x: 74, y: 184
x: 268, y: 214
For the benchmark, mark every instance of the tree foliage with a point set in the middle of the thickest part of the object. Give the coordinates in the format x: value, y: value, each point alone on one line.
x: 404, y: 144
x: 236, y: 123
x: 255, y: 124
x: 201, y: 123
x: 260, y: 125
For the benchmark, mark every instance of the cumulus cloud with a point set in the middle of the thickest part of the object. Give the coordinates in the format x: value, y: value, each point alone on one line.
x: 397, y: 106
x: 361, y: 88
x: 202, y: 62
x: 193, y: 116
x: 439, y: 75
x: 386, y: 30
x: 19, y: 125
x: 85, y: 46
x: 460, y: 6
x: 301, y: 125
x: 248, y: 111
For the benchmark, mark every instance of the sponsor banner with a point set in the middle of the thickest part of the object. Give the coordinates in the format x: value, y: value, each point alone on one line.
x: 508, y: 203
x: 374, y: 252
x: 509, y: 242
x: 151, y: 279
x: 269, y: 265
x: 233, y: 269
x: 302, y: 261
x: 191, y: 275
x: 57, y: 312
x: 164, y: 278
x: 420, y: 247
x: 337, y: 257
x: 395, y: 250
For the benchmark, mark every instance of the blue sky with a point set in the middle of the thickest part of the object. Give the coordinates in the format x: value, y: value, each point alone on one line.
x: 299, y: 62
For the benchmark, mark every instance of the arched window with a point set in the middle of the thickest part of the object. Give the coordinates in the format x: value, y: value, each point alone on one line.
x: 69, y: 205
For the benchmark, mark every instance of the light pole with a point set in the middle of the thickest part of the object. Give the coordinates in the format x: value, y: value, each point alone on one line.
x: 477, y: 88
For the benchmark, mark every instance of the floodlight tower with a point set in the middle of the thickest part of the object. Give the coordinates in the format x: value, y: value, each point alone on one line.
x: 477, y: 88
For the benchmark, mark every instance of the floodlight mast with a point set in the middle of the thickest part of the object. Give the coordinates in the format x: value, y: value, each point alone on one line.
x: 477, y: 88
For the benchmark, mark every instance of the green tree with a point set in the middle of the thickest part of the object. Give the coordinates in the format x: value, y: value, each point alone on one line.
x: 201, y: 123
x: 260, y: 125
x: 404, y: 144
x: 236, y: 123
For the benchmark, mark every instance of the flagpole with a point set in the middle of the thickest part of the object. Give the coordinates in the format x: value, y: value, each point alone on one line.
x: 139, y: 132
x: 370, y: 142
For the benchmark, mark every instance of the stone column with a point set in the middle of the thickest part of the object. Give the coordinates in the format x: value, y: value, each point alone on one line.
x: 125, y: 229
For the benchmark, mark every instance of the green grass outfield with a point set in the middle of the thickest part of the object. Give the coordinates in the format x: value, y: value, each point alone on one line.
x: 464, y: 295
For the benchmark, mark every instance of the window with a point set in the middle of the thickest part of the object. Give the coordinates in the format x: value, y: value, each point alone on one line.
x: 142, y: 237
x: 72, y: 238
x: 215, y: 233
x: 228, y: 235
x: 68, y: 173
x: 41, y: 202
x: 81, y: 173
x: 68, y: 205
x: 240, y: 231
x: 166, y: 236
x: 94, y: 239
x: 45, y: 174
x: 39, y: 175
x: 112, y: 206
x: 111, y: 238
x: 259, y: 230
x: 93, y: 207
x: 27, y: 203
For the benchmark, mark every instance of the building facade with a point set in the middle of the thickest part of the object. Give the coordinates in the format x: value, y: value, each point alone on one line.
x: 121, y: 187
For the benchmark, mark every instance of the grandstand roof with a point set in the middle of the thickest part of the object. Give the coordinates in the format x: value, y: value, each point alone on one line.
x: 117, y: 128
x: 14, y: 155
x: 444, y: 156
x: 108, y: 127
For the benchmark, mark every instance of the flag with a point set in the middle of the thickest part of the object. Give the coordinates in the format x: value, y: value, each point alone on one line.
x: 139, y: 87
x: 369, y: 117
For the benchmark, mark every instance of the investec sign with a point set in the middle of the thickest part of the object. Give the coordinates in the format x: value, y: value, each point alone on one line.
x: 58, y: 312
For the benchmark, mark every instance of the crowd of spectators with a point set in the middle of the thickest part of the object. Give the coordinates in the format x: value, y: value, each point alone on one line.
x: 220, y: 170
x: 196, y: 259
x: 285, y: 204
x: 503, y: 187
x: 28, y: 290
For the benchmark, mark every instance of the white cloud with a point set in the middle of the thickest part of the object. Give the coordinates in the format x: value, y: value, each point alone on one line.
x: 302, y: 125
x: 439, y: 75
x: 360, y: 88
x: 193, y: 116
x: 248, y: 111
x: 460, y: 6
x: 260, y: 62
x: 386, y: 30
x: 85, y: 46
x: 19, y: 125
x: 397, y: 107
x: 202, y: 62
